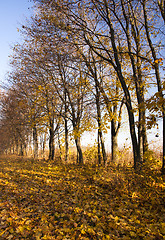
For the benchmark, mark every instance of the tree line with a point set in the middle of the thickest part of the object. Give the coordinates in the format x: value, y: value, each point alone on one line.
x: 80, y: 64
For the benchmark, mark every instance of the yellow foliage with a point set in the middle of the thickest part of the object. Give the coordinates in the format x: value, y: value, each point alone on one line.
x: 87, y: 201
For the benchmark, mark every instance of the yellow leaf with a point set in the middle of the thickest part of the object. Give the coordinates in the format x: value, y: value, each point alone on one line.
x: 116, y: 219
x: 83, y: 231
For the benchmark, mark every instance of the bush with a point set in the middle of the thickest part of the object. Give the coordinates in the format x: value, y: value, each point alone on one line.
x: 151, y: 161
x: 91, y: 154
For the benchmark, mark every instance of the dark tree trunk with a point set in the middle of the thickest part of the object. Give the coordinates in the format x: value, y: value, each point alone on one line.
x: 51, y: 141
x: 114, y: 144
x: 103, y: 147
x: 66, y: 130
x: 98, y: 148
x: 35, y: 143
x: 43, y: 145
x: 99, y: 123
x: 25, y: 148
x: 16, y: 146
x: 79, y: 150
x: 21, y: 150
x: 59, y: 146
x: 66, y: 141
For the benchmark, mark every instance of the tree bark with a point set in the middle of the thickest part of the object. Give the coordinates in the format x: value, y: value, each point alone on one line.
x: 51, y: 140
x: 66, y: 141
x: 35, y: 143
x: 59, y: 146
x: 43, y: 145
x: 114, y: 144
x: 99, y: 123
x: 98, y: 148
x: 21, y: 150
x: 66, y: 130
x: 79, y: 150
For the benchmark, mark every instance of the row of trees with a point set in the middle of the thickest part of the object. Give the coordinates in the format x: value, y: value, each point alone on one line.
x: 80, y: 63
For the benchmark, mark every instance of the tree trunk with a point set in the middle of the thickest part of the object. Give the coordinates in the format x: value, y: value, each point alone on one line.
x: 43, y: 142
x: 66, y: 131
x: 59, y: 146
x: 145, y: 141
x: 35, y: 143
x: 66, y: 142
x: 98, y: 148
x: 51, y: 141
x: 25, y: 148
x: 13, y: 149
x: 21, y: 150
x: 103, y: 147
x: 99, y: 122
x: 114, y: 144
x: 17, y: 147
x: 140, y: 138
x: 79, y: 150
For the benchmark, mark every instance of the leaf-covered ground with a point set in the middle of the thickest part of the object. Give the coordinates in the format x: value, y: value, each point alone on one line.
x: 40, y: 200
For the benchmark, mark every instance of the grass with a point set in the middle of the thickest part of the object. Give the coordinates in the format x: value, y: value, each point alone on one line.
x: 41, y: 200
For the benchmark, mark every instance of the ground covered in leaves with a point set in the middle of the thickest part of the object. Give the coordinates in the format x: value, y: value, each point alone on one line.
x: 41, y: 200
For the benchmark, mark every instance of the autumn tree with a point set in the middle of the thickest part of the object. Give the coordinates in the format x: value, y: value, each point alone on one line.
x: 66, y: 74
x: 113, y: 31
x: 105, y: 45
x: 152, y: 28
x: 14, y: 126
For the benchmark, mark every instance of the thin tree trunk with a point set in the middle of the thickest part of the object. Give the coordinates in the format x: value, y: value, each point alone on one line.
x: 43, y: 145
x: 17, y: 147
x: 51, y: 141
x: 99, y: 123
x: 66, y: 142
x: 59, y: 146
x: 35, y: 143
x: 79, y: 150
x: 21, y: 149
x: 103, y: 147
x: 66, y: 131
x: 114, y: 144
x: 13, y: 149
x: 98, y: 148
x: 25, y: 148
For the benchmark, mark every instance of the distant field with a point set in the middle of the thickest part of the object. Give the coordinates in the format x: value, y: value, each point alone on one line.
x: 41, y: 200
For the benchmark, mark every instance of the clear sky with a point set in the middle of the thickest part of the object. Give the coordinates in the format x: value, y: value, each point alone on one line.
x: 12, y: 14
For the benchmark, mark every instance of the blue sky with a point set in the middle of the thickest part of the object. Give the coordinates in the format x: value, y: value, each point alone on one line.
x: 12, y: 14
